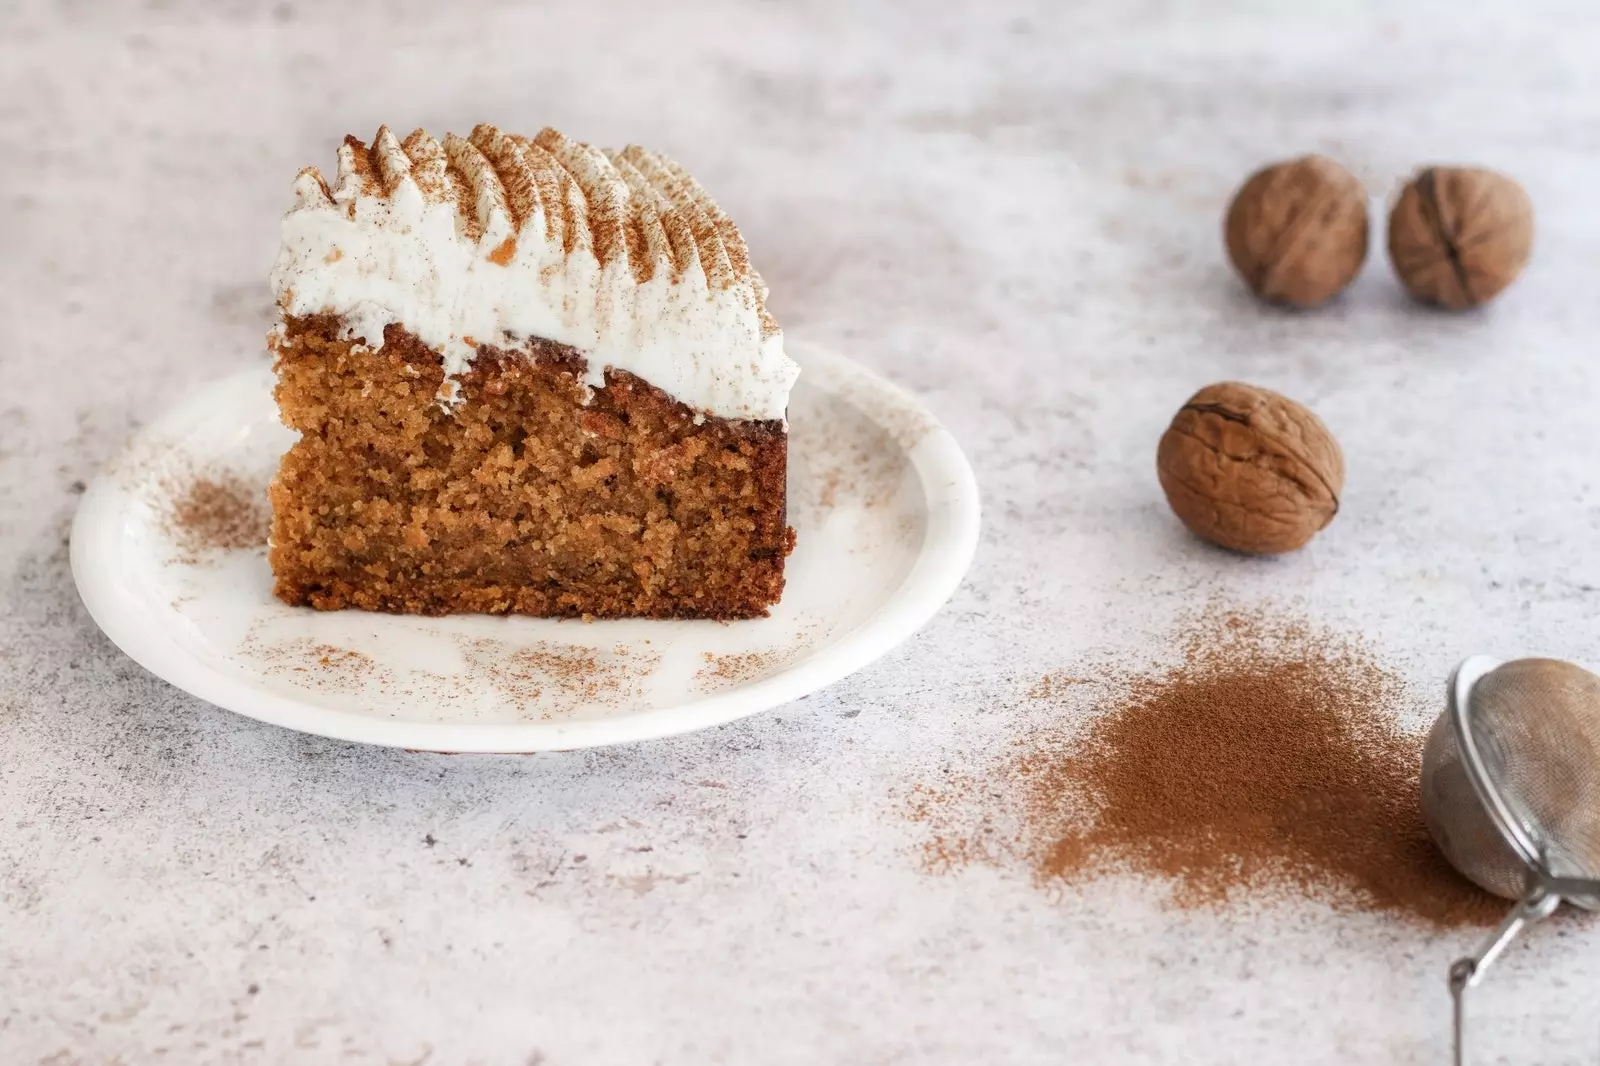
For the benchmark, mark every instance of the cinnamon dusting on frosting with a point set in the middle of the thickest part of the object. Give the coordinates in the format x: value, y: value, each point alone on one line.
x: 503, y: 252
x: 620, y: 254
x: 593, y: 196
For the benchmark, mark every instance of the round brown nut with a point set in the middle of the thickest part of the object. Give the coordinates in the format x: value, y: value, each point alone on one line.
x: 1249, y: 469
x: 1297, y: 231
x: 1458, y: 236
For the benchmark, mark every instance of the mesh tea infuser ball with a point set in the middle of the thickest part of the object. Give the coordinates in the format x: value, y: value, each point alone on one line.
x: 1511, y: 794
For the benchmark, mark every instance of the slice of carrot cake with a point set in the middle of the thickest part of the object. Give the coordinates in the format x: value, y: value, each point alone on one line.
x: 528, y: 376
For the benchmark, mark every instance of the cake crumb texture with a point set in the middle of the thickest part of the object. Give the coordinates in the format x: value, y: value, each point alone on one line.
x: 530, y: 495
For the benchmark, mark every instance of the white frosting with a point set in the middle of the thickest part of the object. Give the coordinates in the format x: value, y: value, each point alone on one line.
x: 495, y: 239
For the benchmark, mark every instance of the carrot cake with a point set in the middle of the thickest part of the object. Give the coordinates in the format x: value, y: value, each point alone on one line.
x: 529, y: 376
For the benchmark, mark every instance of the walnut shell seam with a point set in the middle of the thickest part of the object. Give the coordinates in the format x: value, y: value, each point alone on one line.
x: 1283, y: 446
x: 1433, y: 217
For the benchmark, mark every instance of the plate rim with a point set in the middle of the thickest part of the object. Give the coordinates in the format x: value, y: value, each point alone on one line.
x: 950, y: 540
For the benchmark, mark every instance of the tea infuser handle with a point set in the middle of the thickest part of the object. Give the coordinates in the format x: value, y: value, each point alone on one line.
x: 1468, y: 971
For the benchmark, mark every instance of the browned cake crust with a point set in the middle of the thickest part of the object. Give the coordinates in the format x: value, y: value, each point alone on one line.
x: 521, y: 498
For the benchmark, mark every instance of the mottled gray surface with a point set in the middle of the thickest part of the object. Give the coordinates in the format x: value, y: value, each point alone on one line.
x: 1013, y: 213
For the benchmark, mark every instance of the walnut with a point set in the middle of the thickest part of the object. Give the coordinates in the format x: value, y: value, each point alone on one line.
x: 1458, y: 236
x: 1297, y: 231
x: 1249, y: 469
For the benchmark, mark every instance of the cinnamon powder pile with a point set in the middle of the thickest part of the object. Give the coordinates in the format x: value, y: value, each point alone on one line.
x: 1267, y: 760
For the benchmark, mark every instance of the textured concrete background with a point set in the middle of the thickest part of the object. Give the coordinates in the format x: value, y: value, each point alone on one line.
x: 1013, y: 212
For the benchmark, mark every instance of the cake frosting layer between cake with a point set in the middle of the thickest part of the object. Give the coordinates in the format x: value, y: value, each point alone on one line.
x: 493, y: 239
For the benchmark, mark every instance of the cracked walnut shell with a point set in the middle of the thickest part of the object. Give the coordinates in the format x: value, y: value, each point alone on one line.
x: 1251, y: 470
x: 1297, y: 231
x: 1458, y: 236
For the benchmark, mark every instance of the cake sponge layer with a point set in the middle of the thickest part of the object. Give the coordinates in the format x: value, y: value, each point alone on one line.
x: 533, y: 494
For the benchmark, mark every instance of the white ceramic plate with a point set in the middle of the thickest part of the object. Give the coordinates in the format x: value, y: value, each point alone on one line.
x: 883, y: 502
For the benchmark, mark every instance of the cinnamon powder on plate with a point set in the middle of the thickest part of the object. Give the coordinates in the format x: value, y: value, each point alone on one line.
x: 219, y: 513
x: 1268, y: 760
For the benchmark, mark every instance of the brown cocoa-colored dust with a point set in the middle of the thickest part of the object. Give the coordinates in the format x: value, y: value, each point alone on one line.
x: 1268, y: 760
x: 218, y: 513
